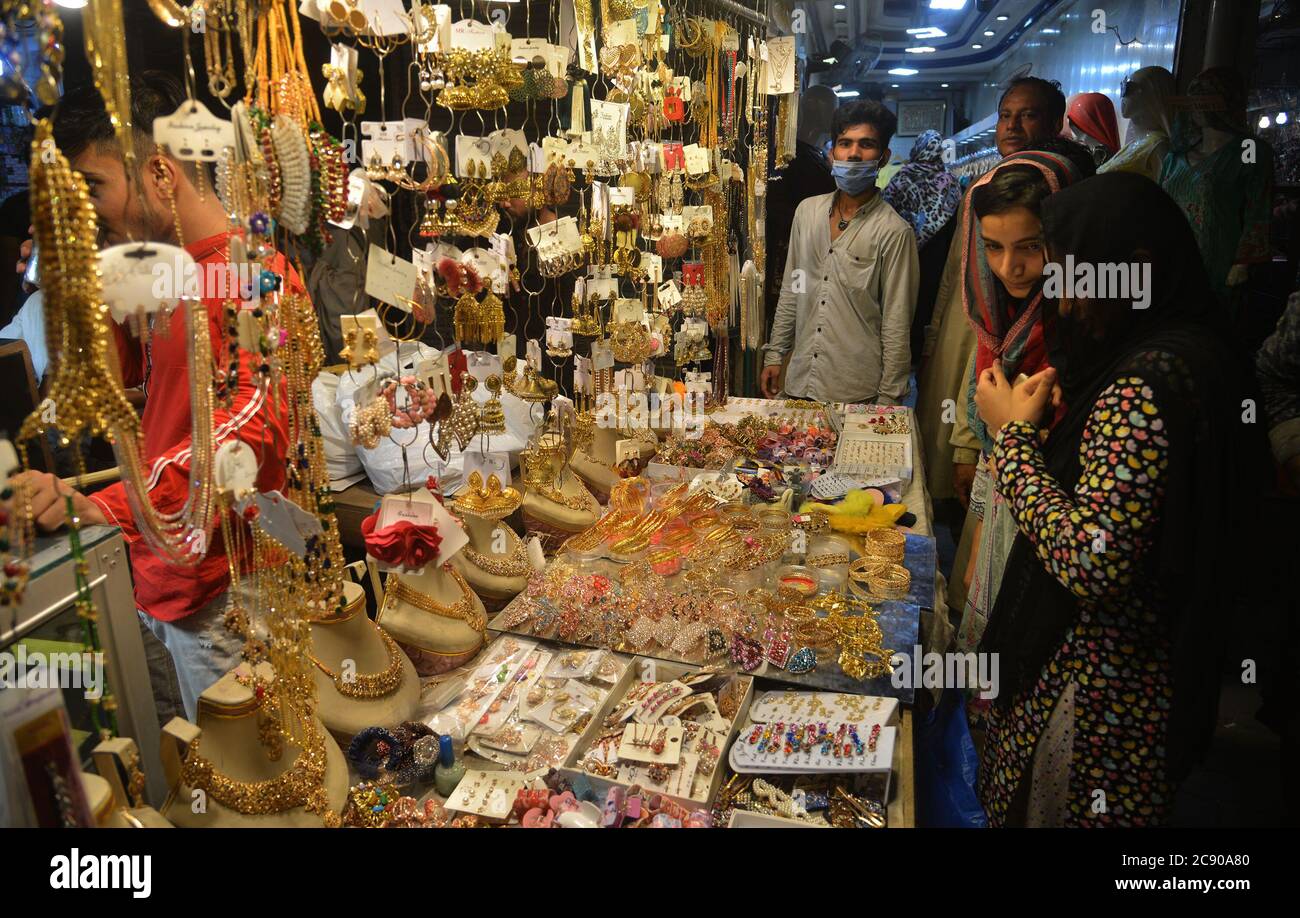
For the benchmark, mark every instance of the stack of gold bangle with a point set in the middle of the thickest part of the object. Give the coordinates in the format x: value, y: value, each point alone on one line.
x: 815, y: 633
x: 886, y: 544
x: 774, y: 518
x: 813, y: 521
x: 734, y: 511
x: 705, y: 522
x: 889, y: 582
x: 745, y: 523
x: 679, y: 539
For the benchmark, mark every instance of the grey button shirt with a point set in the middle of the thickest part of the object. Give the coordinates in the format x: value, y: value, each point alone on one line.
x: 846, y: 307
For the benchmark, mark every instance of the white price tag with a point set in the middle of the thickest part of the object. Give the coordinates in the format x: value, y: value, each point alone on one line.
x: 389, y: 279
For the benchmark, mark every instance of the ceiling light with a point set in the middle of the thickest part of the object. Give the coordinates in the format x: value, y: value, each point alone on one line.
x: 943, y: 85
x: 925, y: 33
x: 1051, y: 31
x: 920, y: 49
x: 947, y: 4
x: 1264, y: 122
x: 989, y: 33
x: 895, y: 85
x: 1282, y: 118
x: 71, y: 4
x: 903, y: 71
x: 1003, y: 18
x: 829, y: 60
x: 977, y: 46
x: 847, y: 93
x: 840, y: 6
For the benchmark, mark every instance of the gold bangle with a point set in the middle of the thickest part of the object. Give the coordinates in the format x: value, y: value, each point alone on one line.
x: 814, y: 521
x: 832, y: 559
x: 734, y: 511
x: 885, y: 543
x: 773, y: 518
x: 722, y: 594
x: 862, y: 569
x: 815, y: 633
x: 677, y: 538
x: 892, y: 582
x: 798, y: 614
x: 744, y: 524
x: 704, y: 521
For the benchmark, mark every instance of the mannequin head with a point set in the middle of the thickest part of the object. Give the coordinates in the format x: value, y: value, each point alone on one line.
x: 1145, y: 98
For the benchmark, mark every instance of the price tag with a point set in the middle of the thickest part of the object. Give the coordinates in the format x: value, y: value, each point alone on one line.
x: 653, y: 265
x: 193, y: 133
x: 471, y: 35
x: 285, y: 521
x: 486, y: 464
x: 390, y: 279
x: 697, y: 159
x: 508, y: 346
x: 234, y: 467
x: 669, y: 295
x: 621, y: 32
x: 602, y: 356
x: 534, y: 354
x: 627, y: 309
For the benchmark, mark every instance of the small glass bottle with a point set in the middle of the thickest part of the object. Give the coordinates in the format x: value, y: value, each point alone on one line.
x: 450, y: 769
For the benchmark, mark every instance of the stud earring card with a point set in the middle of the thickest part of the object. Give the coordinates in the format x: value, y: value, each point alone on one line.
x: 638, y: 743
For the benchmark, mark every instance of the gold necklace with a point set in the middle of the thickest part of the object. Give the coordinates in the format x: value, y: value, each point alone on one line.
x: 462, y: 609
x: 369, y: 685
x: 302, y: 785
x: 514, y: 565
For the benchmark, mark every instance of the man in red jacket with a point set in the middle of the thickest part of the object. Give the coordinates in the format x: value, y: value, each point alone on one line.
x: 183, y: 606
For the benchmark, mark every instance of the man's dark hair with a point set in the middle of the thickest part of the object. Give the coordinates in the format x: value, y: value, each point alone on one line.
x: 867, y: 111
x: 1048, y: 90
x: 1069, y: 149
x: 81, y: 120
x: 1024, y: 186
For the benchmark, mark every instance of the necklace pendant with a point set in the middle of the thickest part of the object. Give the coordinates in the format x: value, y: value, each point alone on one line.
x: 843, y: 224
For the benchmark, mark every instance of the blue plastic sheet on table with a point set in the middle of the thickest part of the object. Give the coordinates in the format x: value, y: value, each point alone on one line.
x: 920, y: 558
x: 900, y: 625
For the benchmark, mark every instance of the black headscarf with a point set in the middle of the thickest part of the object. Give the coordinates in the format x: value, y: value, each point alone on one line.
x: 1126, y: 218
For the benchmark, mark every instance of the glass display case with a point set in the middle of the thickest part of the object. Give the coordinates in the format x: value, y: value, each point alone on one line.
x: 46, y: 622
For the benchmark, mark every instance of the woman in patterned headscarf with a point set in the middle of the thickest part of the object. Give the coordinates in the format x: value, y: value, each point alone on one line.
x: 927, y: 196
x: 924, y: 192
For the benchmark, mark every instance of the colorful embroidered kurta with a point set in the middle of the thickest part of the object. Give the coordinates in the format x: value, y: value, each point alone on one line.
x: 1094, y: 541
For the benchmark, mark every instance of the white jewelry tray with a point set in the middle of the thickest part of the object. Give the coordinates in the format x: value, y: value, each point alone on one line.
x: 745, y: 759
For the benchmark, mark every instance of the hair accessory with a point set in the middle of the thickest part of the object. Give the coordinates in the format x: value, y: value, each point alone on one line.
x: 401, y: 545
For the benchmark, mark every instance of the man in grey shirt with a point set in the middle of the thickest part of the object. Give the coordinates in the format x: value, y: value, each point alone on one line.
x: 849, y: 289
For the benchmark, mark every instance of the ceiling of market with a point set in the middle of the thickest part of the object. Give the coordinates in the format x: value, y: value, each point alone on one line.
x: 861, y: 41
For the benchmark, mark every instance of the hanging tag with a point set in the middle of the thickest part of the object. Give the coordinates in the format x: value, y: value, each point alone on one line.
x: 508, y: 346
x: 627, y: 309
x: 669, y: 295
x: 602, y: 355
x: 486, y: 464
x: 385, y: 17
x: 193, y: 133
x: 234, y: 468
x: 582, y: 375
x: 534, y: 352
x: 470, y: 35
x: 285, y: 521
x: 653, y: 265
x: 390, y: 279
x: 131, y: 273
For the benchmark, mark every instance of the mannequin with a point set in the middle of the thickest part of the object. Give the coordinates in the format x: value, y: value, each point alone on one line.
x: 228, y: 737
x: 552, y: 521
x: 495, y: 589
x: 1091, y: 121
x: 596, y: 465
x: 1145, y: 102
x: 436, y: 641
x: 352, y: 636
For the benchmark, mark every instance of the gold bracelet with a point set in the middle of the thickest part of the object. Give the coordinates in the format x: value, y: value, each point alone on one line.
x: 830, y: 559
x: 885, y: 543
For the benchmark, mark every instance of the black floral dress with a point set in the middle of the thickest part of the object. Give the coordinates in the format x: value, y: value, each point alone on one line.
x: 1115, y: 660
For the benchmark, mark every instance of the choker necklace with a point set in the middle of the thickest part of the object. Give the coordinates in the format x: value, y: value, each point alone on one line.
x: 462, y: 608
x: 302, y: 785
x: 513, y: 565
x: 369, y: 685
